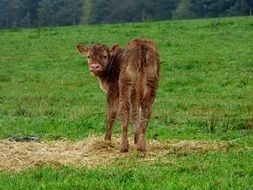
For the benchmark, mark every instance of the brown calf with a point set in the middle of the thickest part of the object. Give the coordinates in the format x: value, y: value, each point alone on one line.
x: 130, y: 78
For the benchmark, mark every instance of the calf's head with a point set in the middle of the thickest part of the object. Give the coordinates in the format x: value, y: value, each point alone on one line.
x: 99, y: 57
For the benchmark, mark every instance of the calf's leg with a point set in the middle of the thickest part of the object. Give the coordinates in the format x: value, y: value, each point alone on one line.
x: 112, y: 109
x: 124, y: 109
x: 145, y: 111
x: 134, y: 115
x: 111, y: 117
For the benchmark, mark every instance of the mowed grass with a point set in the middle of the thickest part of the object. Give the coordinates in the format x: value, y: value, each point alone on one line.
x: 205, y: 93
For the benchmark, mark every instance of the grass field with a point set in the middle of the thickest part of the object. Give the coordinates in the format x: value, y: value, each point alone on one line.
x: 205, y: 95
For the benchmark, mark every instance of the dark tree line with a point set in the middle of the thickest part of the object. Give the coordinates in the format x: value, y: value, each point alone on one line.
x: 36, y: 13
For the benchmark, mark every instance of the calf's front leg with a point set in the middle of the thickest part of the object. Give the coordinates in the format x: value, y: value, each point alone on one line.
x: 112, y: 109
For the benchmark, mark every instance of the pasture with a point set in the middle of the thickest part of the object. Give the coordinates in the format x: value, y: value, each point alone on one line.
x: 200, y: 133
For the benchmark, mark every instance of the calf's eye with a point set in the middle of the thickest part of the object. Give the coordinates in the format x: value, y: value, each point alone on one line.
x: 105, y: 56
x: 88, y: 57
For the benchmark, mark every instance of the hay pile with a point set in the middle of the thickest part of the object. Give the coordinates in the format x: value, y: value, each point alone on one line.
x: 17, y: 156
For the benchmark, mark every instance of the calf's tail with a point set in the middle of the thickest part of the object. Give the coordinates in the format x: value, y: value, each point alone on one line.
x: 143, y: 54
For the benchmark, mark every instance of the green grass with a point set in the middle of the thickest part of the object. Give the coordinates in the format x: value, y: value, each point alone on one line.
x: 211, y: 171
x: 205, y: 93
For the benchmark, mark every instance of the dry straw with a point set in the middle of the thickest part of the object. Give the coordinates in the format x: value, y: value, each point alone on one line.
x: 94, y: 151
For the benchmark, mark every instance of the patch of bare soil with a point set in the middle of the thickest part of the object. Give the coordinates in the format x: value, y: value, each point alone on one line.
x: 93, y: 151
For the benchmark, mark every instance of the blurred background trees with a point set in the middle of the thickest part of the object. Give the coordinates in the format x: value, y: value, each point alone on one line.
x: 38, y: 13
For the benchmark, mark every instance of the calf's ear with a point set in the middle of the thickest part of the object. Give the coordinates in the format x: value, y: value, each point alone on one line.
x: 82, y: 49
x: 114, y: 49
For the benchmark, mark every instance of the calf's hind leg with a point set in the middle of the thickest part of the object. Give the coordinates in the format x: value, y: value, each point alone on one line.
x: 124, y: 109
x: 134, y: 115
x: 145, y: 111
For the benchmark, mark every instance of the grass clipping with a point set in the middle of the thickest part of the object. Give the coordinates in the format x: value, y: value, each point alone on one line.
x: 94, y: 151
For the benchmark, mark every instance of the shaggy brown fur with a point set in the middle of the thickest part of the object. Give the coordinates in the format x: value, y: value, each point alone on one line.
x: 130, y: 78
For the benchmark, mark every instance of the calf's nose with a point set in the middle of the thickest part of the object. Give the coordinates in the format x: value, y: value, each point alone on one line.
x: 95, y: 66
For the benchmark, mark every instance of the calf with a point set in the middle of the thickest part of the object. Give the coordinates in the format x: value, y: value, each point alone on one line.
x: 130, y: 78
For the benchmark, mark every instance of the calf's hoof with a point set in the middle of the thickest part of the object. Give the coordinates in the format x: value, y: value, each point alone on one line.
x: 108, y: 138
x: 135, y: 139
x: 124, y: 150
x: 141, y: 146
x: 124, y: 147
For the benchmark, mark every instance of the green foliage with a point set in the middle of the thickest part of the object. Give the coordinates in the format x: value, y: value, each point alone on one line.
x: 34, y: 13
x: 87, y: 9
x: 59, y: 12
x: 205, y: 93
x: 183, y: 11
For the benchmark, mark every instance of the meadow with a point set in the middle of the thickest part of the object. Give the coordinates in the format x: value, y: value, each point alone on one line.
x: 205, y: 95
